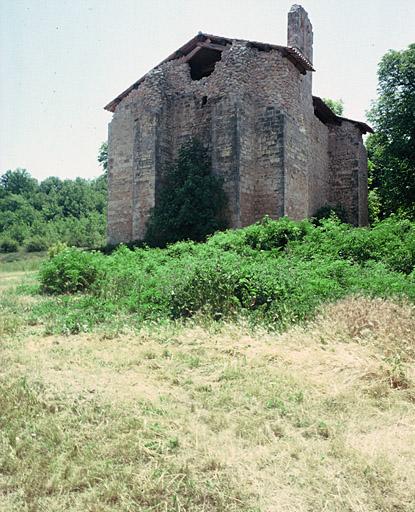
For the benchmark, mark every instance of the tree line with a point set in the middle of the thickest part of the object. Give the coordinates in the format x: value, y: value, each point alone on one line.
x: 36, y: 215
x: 391, y: 149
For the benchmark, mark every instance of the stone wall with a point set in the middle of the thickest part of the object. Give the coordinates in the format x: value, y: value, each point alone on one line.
x: 268, y: 168
x: 300, y: 36
x: 362, y: 170
x: 319, y: 181
x: 300, y: 31
x: 120, y: 178
x: 255, y: 115
x: 348, y: 171
x: 246, y: 154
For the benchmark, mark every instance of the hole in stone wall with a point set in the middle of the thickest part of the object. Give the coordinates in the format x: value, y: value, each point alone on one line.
x: 204, y: 101
x: 203, y: 62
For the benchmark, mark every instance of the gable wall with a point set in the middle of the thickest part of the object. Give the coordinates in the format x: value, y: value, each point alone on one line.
x: 255, y: 115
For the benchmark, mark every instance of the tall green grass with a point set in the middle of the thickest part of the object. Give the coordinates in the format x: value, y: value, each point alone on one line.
x: 273, y: 272
x: 21, y: 262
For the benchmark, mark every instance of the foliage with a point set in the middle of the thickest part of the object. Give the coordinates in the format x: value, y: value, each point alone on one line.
x: 103, y: 156
x: 337, y: 106
x: 267, y: 234
x: 374, y: 206
x: 392, y: 147
x: 37, y: 215
x: 192, y: 201
x: 56, y: 249
x: 7, y: 244
x: 70, y: 271
x: 273, y: 272
x: 36, y: 243
x: 18, y: 182
x: 327, y: 211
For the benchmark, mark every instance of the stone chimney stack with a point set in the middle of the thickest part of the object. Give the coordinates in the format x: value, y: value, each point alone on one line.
x: 300, y: 31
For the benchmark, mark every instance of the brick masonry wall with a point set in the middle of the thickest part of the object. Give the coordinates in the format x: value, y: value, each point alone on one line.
x: 268, y: 167
x: 348, y: 171
x: 255, y: 115
x: 246, y: 158
x: 120, y: 178
x: 362, y: 170
x: 318, y: 166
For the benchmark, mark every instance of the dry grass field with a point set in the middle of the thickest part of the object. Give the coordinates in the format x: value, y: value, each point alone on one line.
x: 213, y: 417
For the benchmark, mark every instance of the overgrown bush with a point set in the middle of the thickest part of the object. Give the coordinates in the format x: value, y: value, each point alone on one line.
x: 70, y: 271
x: 274, y: 272
x: 8, y: 245
x: 268, y: 234
x: 391, y: 241
x: 191, y: 201
x: 36, y: 244
x: 56, y: 249
x: 328, y: 210
x: 374, y: 206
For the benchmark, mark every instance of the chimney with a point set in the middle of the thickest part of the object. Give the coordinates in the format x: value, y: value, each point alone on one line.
x: 300, y: 31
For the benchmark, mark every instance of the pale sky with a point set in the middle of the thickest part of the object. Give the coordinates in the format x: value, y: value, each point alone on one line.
x: 61, y: 61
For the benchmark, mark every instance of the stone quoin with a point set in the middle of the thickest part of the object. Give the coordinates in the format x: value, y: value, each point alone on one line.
x: 279, y: 149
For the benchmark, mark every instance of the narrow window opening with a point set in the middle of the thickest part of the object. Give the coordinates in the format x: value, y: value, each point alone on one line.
x: 204, y: 101
x: 203, y: 62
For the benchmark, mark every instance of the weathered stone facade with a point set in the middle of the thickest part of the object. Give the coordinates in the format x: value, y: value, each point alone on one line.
x: 279, y: 150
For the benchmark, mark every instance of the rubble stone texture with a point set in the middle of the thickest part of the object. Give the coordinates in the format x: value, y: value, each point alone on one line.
x: 279, y: 150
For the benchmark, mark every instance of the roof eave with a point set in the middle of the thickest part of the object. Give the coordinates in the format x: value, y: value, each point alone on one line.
x: 327, y: 116
x: 363, y: 127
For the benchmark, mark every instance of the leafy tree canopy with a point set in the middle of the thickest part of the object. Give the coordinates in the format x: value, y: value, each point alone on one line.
x: 191, y: 201
x: 37, y: 215
x: 103, y: 156
x: 337, y: 106
x: 18, y: 181
x: 391, y: 148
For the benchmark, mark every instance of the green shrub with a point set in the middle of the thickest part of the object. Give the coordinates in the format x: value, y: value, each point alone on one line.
x: 70, y: 271
x: 191, y: 201
x: 327, y: 211
x: 274, y: 273
x: 7, y: 244
x: 56, y: 249
x: 268, y: 234
x: 394, y: 239
x: 273, y: 291
x: 207, y: 286
x: 391, y: 241
x: 36, y: 243
x: 374, y: 206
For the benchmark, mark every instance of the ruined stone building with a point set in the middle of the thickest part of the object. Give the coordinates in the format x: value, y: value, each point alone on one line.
x: 280, y: 150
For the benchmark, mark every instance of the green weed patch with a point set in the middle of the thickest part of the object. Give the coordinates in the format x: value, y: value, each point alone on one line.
x: 274, y: 273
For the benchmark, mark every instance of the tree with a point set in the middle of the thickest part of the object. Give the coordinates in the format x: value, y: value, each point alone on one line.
x: 18, y: 181
x: 36, y: 215
x: 191, y: 201
x: 51, y: 184
x: 391, y: 148
x: 103, y: 156
x: 337, y: 106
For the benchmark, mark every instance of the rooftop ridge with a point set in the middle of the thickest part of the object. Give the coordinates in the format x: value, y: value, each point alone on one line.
x: 289, y: 52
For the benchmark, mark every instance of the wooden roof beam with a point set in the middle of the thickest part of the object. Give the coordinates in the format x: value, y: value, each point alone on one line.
x: 191, y: 54
x: 212, y: 46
